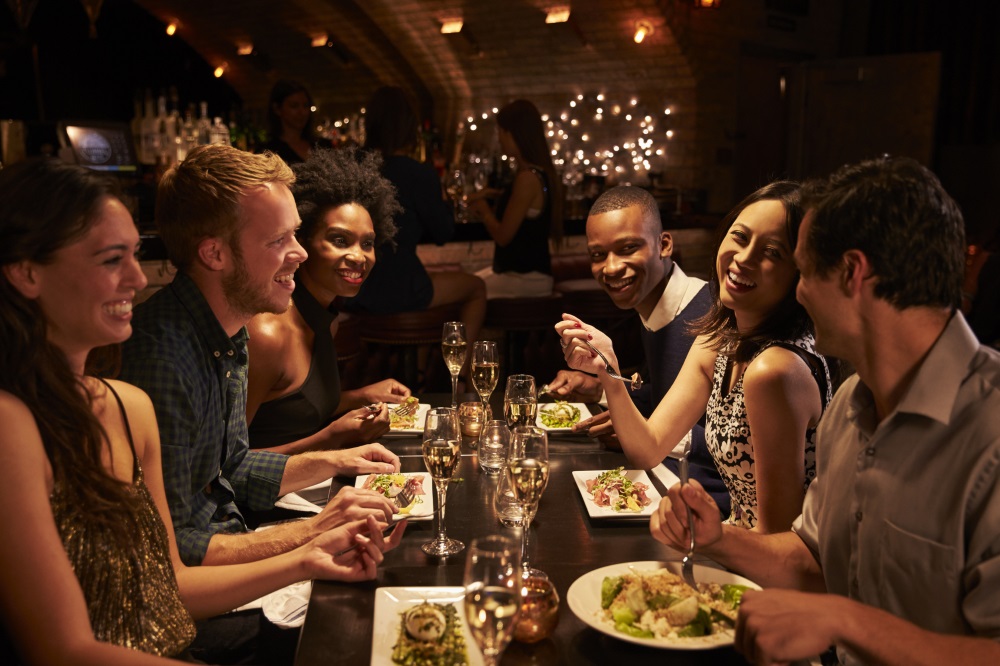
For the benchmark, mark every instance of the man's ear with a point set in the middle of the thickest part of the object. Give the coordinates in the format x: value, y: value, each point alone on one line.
x: 666, y: 244
x: 25, y: 278
x: 214, y: 253
x: 855, y: 271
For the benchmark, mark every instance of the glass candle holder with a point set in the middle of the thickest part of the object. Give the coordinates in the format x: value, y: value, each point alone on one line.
x: 539, y: 610
x: 470, y: 417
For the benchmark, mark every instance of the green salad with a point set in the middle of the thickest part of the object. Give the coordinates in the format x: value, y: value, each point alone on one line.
x: 659, y: 604
x: 560, y: 414
x: 430, y: 635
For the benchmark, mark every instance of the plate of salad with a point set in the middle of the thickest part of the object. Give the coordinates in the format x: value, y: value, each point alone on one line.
x: 390, y: 485
x: 561, y: 416
x: 617, y: 493
x: 648, y: 603
x: 422, y: 625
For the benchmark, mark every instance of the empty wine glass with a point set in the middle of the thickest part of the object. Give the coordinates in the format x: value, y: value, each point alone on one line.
x: 528, y: 467
x: 442, y: 449
x: 485, y: 372
x: 494, y: 443
x: 520, y: 403
x: 453, y: 348
x: 493, y: 582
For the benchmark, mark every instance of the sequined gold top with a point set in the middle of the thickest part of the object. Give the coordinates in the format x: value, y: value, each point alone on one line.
x: 131, y: 594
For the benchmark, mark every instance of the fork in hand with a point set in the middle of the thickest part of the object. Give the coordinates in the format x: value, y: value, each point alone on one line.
x: 687, y: 564
x: 635, y: 382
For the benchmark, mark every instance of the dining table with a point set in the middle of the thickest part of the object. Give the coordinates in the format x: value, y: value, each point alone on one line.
x: 564, y: 542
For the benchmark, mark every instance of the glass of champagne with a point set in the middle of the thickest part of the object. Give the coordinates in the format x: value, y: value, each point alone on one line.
x: 453, y: 346
x: 492, y: 594
x: 485, y: 372
x: 520, y: 404
x: 528, y: 466
x: 442, y: 450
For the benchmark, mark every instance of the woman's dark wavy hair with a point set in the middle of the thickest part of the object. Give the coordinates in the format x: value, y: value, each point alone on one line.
x: 46, y: 205
x: 332, y: 178
x: 789, y: 319
x: 522, y: 119
x: 390, y: 122
x: 282, y: 90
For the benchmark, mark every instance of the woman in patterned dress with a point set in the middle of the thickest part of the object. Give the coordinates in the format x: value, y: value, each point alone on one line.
x: 753, y: 370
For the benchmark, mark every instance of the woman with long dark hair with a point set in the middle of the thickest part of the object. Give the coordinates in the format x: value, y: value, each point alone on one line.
x: 91, y: 573
x: 291, y: 128
x: 528, y: 213
x: 753, y: 370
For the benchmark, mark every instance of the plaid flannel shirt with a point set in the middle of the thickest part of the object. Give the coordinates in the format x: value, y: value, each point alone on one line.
x: 196, y: 377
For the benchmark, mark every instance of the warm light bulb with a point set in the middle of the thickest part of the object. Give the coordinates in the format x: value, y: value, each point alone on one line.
x: 642, y: 30
x: 172, y: 29
x: 220, y: 70
x: 451, y: 26
x: 557, y: 14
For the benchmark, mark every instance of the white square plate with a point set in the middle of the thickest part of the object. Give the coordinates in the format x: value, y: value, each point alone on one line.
x: 418, y: 425
x: 595, y: 511
x: 422, y: 510
x: 584, y: 414
x: 391, y: 601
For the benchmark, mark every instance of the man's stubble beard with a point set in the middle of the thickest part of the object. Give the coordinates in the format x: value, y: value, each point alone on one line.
x: 241, y: 294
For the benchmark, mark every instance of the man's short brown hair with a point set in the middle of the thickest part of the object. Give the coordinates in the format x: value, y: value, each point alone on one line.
x: 202, y: 196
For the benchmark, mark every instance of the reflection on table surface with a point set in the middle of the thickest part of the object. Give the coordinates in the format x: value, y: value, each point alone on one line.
x: 564, y: 542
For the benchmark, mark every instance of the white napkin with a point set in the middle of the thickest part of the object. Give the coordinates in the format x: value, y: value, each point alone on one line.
x: 665, y: 476
x: 286, y: 607
x: 295, y: 502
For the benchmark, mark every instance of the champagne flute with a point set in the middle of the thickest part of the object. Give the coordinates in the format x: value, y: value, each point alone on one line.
x: 453, y: 346
x: 485, y: 372
x: 442, y: 450
x: 492, y: 594
x: 528, y: 466
x: 520, y: 404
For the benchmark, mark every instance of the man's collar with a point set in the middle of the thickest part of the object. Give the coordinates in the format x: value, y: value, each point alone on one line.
x: 206, y: 322
x: 677, y: 293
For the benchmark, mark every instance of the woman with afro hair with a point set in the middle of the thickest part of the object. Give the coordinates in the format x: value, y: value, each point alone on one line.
x: 293, y: 394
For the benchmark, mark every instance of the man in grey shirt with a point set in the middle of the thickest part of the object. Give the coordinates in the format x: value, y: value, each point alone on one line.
x: 896, y: 556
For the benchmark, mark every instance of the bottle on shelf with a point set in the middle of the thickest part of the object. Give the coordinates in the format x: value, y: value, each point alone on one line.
x: 204, y: 125
x: 149, y: 146
x: 219, y: 133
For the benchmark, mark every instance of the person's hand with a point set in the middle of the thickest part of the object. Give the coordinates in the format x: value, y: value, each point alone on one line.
x: 358, y: 426
x: 485, y: 193
x: 600, y: 428
x: 477, y: 208
x: 387, y: 390
x: 366, y: 459
x: 352, y: 504
x: 575, y: 386
x: 579, y: 356
x: 325, y: 558
x: 780, y: 626
x: 669, y: 523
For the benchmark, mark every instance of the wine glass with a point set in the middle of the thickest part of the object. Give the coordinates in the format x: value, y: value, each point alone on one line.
x: 520, y: 404
x: 453, y: 346
x: 528, y: 467
x: 455, y: 187
x: 485, y: 372
x: 492, y: 594
x: 442, y: 450
x: 494, y: 443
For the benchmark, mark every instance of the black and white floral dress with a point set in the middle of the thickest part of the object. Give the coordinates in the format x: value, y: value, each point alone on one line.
x: 728, y: 436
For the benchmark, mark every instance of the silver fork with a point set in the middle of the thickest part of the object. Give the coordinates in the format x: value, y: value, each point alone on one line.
x: 635, y: 381
x: 404, y: 497
x: 405, y: 409
x: 687, y: 564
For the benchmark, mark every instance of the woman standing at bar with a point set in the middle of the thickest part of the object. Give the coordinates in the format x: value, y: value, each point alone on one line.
x: 91, y: 573
x: 290, y: 117
x: 528, y: 213
x: 753, y: 370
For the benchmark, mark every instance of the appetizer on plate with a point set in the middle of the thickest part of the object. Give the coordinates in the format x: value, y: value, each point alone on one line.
x: 559, y: 414
x: 660, y: 604
x: 391, y: 485
x: 430, y: 634
x: 618, y: 492
x: 404, y: 419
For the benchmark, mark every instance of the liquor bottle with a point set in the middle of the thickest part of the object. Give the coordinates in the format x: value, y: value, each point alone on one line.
x: 219, y: 133
x: 150, y: 144
x: 204, y: 125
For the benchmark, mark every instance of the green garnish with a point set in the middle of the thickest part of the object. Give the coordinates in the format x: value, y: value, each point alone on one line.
x: 561, y: 414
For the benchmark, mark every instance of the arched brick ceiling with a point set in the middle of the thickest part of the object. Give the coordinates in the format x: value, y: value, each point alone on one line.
x: 513, y: 52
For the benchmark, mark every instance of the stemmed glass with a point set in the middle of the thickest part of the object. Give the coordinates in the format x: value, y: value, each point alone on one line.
x: 453, y: 347
x: 528, y: 466
x: 485, y: 372
x: 442, y: 450
x: 492, y: 594
x: 520, y: 404
x: 456, y: 192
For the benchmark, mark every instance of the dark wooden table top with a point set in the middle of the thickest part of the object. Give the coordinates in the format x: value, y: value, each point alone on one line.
x: 564, y: 542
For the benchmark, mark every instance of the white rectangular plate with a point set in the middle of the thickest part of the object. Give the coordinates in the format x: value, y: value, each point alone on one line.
x: 595, y: 511
x: 418, y: 425
x: 584, y: 414
x: 391, y: 601
x: 423, y: 510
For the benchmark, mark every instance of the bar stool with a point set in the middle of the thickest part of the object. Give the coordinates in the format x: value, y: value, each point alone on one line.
x: 529, y: 342
x: 408, y: 331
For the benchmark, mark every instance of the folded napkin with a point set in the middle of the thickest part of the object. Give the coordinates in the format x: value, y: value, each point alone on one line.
x: 665, y: 476
x: 296, y: 502
x: 287, y: 606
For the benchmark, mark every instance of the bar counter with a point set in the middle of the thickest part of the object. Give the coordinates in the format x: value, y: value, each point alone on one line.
x: 564, y: 542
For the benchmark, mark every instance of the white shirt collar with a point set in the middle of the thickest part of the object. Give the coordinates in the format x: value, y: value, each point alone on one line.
x: 677, y: 294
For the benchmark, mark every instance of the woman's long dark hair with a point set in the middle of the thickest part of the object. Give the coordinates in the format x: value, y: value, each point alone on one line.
x: 46, y: 205
x: 283, y: 89
x: 522, y: 120
x: 390, y: 122
x: 789, y: 319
